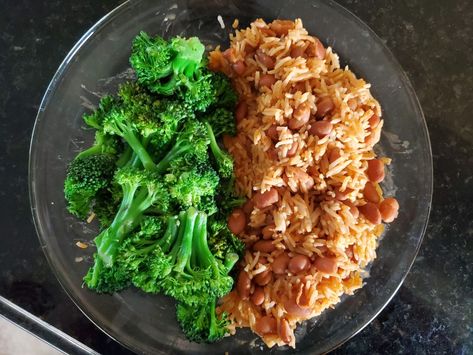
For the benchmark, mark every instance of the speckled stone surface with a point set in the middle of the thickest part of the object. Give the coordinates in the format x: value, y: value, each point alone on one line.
x: 433, y: 41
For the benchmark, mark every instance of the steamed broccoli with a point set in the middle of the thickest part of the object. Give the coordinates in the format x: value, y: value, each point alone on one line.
x: 162, y: 65
x: 87, y: 176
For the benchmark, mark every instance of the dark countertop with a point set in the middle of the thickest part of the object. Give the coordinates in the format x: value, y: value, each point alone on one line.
x: 433, y: 41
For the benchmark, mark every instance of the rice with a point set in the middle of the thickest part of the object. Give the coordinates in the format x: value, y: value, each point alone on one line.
x: 316, y: 214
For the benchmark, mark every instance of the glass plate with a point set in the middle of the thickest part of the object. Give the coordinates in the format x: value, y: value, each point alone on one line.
x: 147, y: 323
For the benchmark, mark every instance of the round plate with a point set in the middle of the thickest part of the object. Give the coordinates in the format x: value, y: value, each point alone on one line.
x: 99, y: 61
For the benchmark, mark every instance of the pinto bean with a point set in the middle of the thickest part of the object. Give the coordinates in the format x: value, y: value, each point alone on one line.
x: 389, y: 209
x: 327, y: 265
x: 295, y: 310
x: 241, y: 111
x: 352, y: 104
x: 243, y: 285
x: 265, y: 59
x: 353, y: 209
x: 237, y: 221
x: 297, y: 51
x: 371, y: 212
x: 333, y: 154
x: 300, y: 116
x: 229, y: 55
x: 266, y: 198
x: 266, y: 325
x: 370, y: 193
x: 298, y: 263
x: 285, y: 331
x: 248, y: 206
x: 264, y: 246
x: 281, y: 27
x: 316, y: 49
x: 263, y: 278
x: 239, y: 67
x: 280, y: 264
x: 267, y: 80
x: 268, y: 231
x: 321, y: 128
x: 374, y: 121
x: 324, y: 106
x: 272, y: 133
x: 375, y: 170
x: 258, y: 296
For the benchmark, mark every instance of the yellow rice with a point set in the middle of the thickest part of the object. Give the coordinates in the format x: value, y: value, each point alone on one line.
x: 304, y: 222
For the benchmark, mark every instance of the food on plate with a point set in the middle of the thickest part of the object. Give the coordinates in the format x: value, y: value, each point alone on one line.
x: 244, y: 185
x: 303, y: 156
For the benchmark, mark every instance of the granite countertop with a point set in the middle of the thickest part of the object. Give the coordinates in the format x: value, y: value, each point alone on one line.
x: 433, y: 41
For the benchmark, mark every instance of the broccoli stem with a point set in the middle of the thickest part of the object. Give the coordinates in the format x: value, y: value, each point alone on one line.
x: 126, y: 156
x: 133, y: 205
x: 95, y: 149
x: 131, y: 138
x: 169, y: 236
x: 185, y: 245
x: 174, y: 153
x: 97, y: 269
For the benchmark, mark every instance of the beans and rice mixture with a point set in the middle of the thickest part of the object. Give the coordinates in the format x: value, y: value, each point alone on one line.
x: 304, y: 159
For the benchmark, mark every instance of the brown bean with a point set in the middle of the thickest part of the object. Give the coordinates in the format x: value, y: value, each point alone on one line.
x: 243, y: 285
x: 342, y: 196
x: 267, y: 31
x: 300, y: 86
x: 375, y: 170
x: 248, y: 206
x: 297, y: 51
x: 298, y: 264
x: 265, y: 59
x: 266, y: 325
x: 285, y: 331
x: 237, y: 221
x: 241, y: 111
x: 229, y: 55
x: 333, y: 154
x: 239, y: 67
x: 306, y: 182
x: 389, y: 209
x: 374, y: 136
x: 370, y: 193
x: 263, y: 278
x: 319, y: 49
x: 371, y: 212
x: 273, y: 153
x: 352, y: 104
x: 321, y: 128
x: 374, y: 121
x: 294, y: 309
x: 280, y: 264
x: 293, y: 150
x: 353, y: 209
x: 267, y: 80
x: 266, y: 198
x: 272, y: 132
x: 262, y: 260
x: 281, y: 27
x: 268, y: 231
x: 264, y: 246
x: 300, y: 116
x: 258, y: 296
x: 327, y: 265
x: 324, y: 106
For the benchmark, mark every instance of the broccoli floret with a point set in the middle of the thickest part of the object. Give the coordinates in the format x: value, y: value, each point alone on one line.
x: 86, y: 177
x: 193, y: 185
x: 224, y: 93
x: 222, y: 241
x: 103, y: 279
x: 191, y: 144
x: 200, y: 323
x: 95, y: 119
x: 222, y: 122
x: 162, y: 65
x: 197, y: 273
x: 141, y: 189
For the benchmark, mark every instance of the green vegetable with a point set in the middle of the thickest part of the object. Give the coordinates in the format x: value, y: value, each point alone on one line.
x: 155, y: 176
